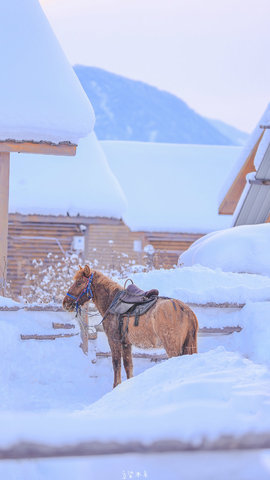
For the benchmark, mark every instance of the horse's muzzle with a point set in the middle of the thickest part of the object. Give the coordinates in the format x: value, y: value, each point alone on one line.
x: 68, y: 304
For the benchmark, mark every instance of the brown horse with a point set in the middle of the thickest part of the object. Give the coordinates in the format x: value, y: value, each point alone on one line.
x: 169, y: 323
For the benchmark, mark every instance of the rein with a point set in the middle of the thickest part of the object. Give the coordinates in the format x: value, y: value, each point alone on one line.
x: 87, y: 290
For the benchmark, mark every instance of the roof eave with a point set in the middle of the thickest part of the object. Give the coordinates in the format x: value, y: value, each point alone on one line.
x: 65, y: 148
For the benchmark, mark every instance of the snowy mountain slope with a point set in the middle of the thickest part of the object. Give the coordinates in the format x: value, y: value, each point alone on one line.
x: 238, y: 137
x: 130, y: 110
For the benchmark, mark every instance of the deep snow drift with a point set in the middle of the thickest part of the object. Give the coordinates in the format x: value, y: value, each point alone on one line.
x: 240, y: 249
x: 203, y: 285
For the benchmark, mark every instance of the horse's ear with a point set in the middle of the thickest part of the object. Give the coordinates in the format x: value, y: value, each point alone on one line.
x: 86, y: 271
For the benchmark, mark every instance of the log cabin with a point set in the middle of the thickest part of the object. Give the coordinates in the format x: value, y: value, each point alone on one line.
x: 111, y: 213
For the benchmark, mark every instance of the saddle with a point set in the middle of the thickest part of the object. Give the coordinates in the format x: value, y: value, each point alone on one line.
x: 133, y: 302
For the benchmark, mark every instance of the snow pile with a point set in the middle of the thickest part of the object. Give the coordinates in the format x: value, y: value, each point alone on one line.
x: 172, y: 197
x: 41, y: 98
x: 214, y: 393
x: 82, y: 185
x: 211, y: 394
x: 251, y: 342
x: 47, y: 375
x: 240, y: 249
x: 44, y: 375
x: 6, y: 302
x: 200, y: 284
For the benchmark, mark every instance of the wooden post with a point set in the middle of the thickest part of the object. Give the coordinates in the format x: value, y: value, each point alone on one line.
x: 83, y: 323
x: 4, y: 193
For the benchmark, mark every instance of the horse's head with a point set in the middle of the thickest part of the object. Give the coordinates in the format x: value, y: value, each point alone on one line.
x: 81, y: 290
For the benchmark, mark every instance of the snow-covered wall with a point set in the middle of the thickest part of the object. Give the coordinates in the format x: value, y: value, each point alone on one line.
x: 50, y: 185
x: 40, y: 96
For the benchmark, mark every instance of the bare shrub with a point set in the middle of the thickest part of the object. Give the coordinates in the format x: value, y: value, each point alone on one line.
x: 49, y: 280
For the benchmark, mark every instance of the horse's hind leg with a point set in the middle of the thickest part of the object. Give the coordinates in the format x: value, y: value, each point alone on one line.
x: 116, y: 361
x: 190, y: 343
x: 127, y: 359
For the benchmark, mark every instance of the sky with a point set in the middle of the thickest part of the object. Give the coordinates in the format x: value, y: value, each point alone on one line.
x: 212, y: 54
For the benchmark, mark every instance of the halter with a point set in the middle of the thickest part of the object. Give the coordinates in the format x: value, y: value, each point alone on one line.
x: 87, y: 290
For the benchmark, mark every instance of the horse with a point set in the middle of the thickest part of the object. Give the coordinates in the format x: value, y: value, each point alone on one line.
x: 170, y: 323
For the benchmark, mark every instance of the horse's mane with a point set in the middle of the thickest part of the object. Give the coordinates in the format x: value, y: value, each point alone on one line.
x: 106, y: 281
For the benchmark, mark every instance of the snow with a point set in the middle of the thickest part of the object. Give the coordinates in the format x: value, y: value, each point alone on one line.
x: 201, y: 285
x: 83, y: 185
x: 214, y: 393
x: 41, y: 98
x: 240, y: 249
x: 9, y: 303
x: 241, y: 465
x: 51, y: 393
x: 172, y: 188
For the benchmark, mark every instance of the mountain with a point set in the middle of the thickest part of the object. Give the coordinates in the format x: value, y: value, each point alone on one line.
x: 237, y: 137
x: 130, y: 110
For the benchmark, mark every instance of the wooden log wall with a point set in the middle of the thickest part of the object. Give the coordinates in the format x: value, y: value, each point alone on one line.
x: 168, y: 246
x: 109, y: 244
x: 112, y: 246
x: 29, y: 240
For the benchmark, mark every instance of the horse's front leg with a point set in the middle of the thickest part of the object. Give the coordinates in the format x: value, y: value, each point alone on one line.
x: 116, y: 360
x: 127, y: 359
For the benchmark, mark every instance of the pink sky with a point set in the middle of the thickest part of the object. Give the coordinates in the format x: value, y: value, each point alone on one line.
x: 214, y: 55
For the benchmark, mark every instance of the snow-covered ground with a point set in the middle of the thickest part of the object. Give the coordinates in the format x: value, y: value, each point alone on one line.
x: 52, y: 394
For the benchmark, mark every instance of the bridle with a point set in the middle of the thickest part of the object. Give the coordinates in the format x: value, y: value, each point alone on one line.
x: 87, y: 290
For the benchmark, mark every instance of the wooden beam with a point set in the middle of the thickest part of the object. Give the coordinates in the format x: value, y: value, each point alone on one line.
x: 47, y: 337
x: 17, y: 217
x: 4, y: 193
x: 232, y: 197
x: 228, y: 443
x: 67, y: 326
x: 45, y: 148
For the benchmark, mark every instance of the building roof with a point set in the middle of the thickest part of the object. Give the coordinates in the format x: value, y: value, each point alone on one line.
x: 40, y: 96
x: 254, y: 204
x: 49, y: 185
x: 172, y: 188
x: 235, y: 184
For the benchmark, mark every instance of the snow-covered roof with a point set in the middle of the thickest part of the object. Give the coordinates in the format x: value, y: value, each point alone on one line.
x: 40, y: 96
x: 250, y: 144
x: 56, y: 185
x: 254, y: 204
x: 172, y: 188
